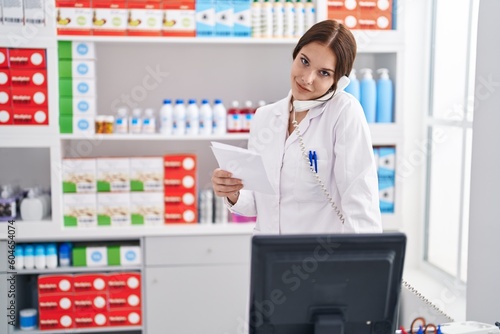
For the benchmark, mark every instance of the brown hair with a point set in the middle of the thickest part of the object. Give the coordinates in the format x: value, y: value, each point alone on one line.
x: 338, y: 38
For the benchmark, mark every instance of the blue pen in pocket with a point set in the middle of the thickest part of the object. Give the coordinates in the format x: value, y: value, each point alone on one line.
x: 310, y: 158
x: 315, y: 159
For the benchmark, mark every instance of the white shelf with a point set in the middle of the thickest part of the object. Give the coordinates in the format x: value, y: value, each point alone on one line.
x: 27, y: 36
x: 23, y: 137
x: 138, y: 137
x: 83, y: 330
x: 62, y: 270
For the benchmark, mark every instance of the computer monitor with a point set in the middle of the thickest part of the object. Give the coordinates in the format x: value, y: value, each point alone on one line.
x: 335, y: 284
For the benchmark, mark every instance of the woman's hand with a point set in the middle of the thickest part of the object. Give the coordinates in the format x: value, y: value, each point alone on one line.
x: 226, y: 186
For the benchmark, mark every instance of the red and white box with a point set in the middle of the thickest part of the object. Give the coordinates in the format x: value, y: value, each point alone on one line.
x: 30, y: 116
x: 125, y: 317
x: 378, y: 6
x: 91, y: 319
x: 110, y: 17
x: 5, y: 97
x: 29, y: 97
x: 91, y: 302
x: 145, y: 18
x: 4, y: 58
x: 375, y: 21
x: 124, y: 282
x: 5, y: 79
x: 28, y: 78
x: 56, y: 320
x: 180, y: 164
x: 58, y: 302
x: 74, y: 17
x: 27, y: 58
x: 176, y: 214
x: 90, y: 283
x: 179, y: 183
x: 55, y: 284
x: 179, y: 18
x: 348, y: 18
x: 342, y: 5
x: 6, y: 115
x: 124, y: 299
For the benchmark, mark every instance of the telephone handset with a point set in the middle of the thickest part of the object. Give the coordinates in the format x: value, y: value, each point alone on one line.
x: 298, y: 106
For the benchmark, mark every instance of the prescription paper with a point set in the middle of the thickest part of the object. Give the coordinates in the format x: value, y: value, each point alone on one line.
x: 245, y: 165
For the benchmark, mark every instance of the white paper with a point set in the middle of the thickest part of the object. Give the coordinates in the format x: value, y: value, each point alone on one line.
x: 245, y: 165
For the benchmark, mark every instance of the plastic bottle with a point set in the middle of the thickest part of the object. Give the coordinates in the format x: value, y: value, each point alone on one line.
x: 166, y: 117
x: 368, y: 94
x: 278, y: 19
x: 220, y: 118
x: 136, y: 121
x: 149, y: 121
x: 256, y: 19
x: 40, y: 262
x: 267, y: 19
x: 206, y: 118
x: 353, y: 87
x: 121, y: 122
x: 65, y: 254
x: 309, y: 14
x: 32, y: 207
x: 51, y: 255
x: 289, y: 15
x: 179, y: 124
x: 385, y: 94
x: 246, y: 116
x: 299, y: 18
x: 29, y: 257
x: 234, y: 122
x: 192, y: 118
x: 19, y: 255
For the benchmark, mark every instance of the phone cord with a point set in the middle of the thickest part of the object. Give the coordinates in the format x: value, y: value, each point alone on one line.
x: 425, y: 300
x: 316, y: 176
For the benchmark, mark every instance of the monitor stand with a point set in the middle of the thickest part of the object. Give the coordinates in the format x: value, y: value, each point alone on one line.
x: 329, y: 324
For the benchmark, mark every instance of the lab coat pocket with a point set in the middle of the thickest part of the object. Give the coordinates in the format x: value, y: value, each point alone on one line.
x: 307, y: 187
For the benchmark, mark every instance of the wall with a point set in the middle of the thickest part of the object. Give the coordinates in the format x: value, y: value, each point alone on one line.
x: 483, y: 285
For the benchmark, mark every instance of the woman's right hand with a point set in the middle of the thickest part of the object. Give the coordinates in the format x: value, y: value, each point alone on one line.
x: 225, y: 185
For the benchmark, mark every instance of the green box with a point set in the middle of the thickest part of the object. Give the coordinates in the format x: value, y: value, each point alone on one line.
x: 65, y: 68
x: 65, y: 106
x: 64, y: 49
x: 79, y: 254
x: 66, y: 87
x: 114, y: 255
x: 65, y: 124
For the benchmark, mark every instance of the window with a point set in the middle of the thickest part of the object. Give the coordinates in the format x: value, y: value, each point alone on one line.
x: 449, y: 133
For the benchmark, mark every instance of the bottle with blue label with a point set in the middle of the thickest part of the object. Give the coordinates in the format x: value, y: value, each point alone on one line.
x: 368, y: 94
x: 206, y: 118
x: 166, y: 117
x: 385, y: 96
x: 121, y: 121
x: 353, y: 87
x: 192, y: 118
x: 179, y: 118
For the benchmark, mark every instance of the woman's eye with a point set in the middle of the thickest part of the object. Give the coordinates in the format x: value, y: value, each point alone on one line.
x: 304, y: 61
x: 324, y: 73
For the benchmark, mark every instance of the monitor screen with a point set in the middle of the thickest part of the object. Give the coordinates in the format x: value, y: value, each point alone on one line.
x: 335, y: 284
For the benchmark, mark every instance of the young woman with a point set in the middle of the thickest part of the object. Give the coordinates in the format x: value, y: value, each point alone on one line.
x: 316, y: 147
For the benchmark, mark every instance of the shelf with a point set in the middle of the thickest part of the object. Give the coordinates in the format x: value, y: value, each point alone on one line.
x: 27, y: 36
x: 367, y: 40
x: 62, y: 270
x: 146, y: 137
x: 386, y: 133
x: 82, y: 330
x: 21, y: 138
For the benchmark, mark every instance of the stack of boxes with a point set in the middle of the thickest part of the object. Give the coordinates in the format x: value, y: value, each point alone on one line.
x: 386, y: 157
x: 109, y: 254
x: 113, y: 191
x: 223, y: 18
x: 77, y: 87
x: 23, y: 87
x: 363, y: 14
x: 89, y: 300
x: 180, y: 189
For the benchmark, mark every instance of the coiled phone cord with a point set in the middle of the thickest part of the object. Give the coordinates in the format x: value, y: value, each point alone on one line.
x: 316, y: 176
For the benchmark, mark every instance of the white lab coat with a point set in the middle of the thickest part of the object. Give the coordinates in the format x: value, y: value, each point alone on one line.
x: 339, y: 133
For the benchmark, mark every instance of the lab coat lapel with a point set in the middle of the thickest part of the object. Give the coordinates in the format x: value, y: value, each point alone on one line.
x: 304, y: 125
x: 277, y: 147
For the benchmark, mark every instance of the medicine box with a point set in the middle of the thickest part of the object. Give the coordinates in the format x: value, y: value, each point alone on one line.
x: 124, y: 281
x: 49, y: 320
x: 27, y: 58
x: 76, y: 68
x: 55, y: 284
x: 242, y: 23
x: 79, y: 175
x: 124, y: 255
x: 77, y: 87
x: 12, y: 12
x: 145, y: 18
x: 30, y: 115
x: 113, y: 174
x: 28, y: 78
x: 56, y: 302
x: 80, y: 210
x: 205, y: 18
x: 146, y: 174
x: 113, y: 209
x: 91, y: 319
x: 147, y: 208
x: 124, y: 300
x: 34, y: 12
x: 74, y: 17
x: 77, y: 106
x: 110, y: 17
x: 95, y: 282
x: 76, y: 50
x: 224, y: 17
x: 179, y: 18
x: 125, y: 317
x: 90, y: 256
x: 78, y: 125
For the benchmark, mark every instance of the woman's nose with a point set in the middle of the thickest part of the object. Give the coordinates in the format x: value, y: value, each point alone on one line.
x: 308, y: 77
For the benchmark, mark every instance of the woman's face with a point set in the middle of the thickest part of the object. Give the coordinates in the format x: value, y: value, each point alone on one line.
x: 312, y: 71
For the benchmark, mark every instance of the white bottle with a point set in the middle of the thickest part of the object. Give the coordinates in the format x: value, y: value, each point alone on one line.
x: 33, y: 207
x: 220, y: 118
x: 40, y: 262
x: 149, y: 121
x: 278, y: 19
x: 192, y: 118
x: 166, y: 117
x: 136, y: 121
x: 267, y: 19
x: 179, y: 124
x: 206, y: 118
x: 299, y: 19
x: 29, y: 257
x: 256, y: 19
x: 19, y: 255
x: 51, y: 255
x: 121, y: 122
x: 289, y: 25
x: 309, y: 14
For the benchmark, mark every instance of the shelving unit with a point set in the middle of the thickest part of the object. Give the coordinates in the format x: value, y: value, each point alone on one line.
x: 224, y: 68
